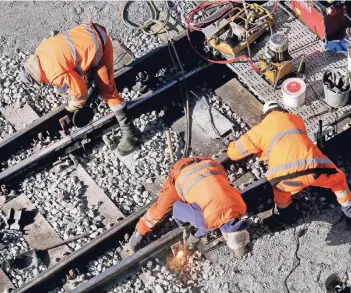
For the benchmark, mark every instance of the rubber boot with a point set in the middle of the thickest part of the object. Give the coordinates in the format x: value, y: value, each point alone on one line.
x: 130, y: 133
x: 288, y: 215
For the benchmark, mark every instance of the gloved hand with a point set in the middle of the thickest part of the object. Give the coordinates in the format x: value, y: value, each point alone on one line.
x: 134, y: 241
x: 185, y: 230
x: 192, y: 241
x: 71, y: 108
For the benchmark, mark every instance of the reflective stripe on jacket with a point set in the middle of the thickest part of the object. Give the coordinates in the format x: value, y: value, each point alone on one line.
x: 199, y: 180
x: 65, y: 57
x: 281, y: 141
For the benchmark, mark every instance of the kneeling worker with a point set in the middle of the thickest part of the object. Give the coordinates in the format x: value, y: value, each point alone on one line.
x: 294, y: 162
x: 65, y: 61
x: 201, y: 196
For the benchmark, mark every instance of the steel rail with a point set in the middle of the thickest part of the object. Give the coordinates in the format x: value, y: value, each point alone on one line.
x: 126, y: 267
x: 78, y: 257
x: 39, y: 284
x: 100, y: 125
x: 49, y: 122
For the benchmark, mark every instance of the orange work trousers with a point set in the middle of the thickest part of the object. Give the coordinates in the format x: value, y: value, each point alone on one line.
x: 284, y: 190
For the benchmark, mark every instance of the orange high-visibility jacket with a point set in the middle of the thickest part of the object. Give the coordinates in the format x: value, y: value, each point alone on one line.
x: 67, y: 57
x: 198, y: 180
x: 281, y: 141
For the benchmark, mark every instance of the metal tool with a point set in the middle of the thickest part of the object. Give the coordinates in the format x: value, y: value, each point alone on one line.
x: 336, y: 80
x: 244, y: 26
x: 169, y: 145
x: 17, y: 217
x: 29, y: 259
x: 276, y: 62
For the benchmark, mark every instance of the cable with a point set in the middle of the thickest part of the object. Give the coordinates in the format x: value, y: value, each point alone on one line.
x: 185, y: 95
x: 198, y: 27
x: 149, y: 22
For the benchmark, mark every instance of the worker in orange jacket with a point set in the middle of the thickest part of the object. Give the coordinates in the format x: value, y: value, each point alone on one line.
x: 200, y: 194
x: 294, y: 162
x: 66, y: 59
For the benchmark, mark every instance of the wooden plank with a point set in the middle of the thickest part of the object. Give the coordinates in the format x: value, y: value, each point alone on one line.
x: 5, y: 282
x: 241, y: 101
x: 95, y: 194
x: 38, y: 234
x: 19, y: 117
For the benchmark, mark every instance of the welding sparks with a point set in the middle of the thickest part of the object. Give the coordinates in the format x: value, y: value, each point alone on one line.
x: 180, y: 254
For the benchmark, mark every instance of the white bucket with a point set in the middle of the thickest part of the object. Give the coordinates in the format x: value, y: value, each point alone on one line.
x: 294, y: 92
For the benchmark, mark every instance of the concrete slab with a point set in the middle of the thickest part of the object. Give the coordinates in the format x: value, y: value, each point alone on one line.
x: 201, y: 142
x: 153, y: 188
x: 19, y: 117
x: 245, y: 178
x: 214, y: 123
x: 39, y: 234
x: 121, y: 56
x: 95, y: 194
x: 239, y: 98
x: 5, y: 282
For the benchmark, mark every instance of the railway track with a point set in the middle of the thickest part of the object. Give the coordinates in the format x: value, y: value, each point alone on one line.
x: 43, y: 179
x: 75, y: 176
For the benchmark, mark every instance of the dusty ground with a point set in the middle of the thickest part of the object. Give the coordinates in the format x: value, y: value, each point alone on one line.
x: 298, y: 259
x: 23, y: 25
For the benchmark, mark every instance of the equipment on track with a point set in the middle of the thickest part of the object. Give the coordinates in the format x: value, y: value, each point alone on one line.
x: 324, y: 18
x: 231, y: 36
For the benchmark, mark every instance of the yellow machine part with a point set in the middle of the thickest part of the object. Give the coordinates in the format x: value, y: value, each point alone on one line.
x: 227, y: 49
x: 231, y: 50
x: 272, y: 74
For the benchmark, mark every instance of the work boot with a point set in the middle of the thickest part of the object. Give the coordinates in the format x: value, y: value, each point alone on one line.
x: 130, y: 134
x: 239, y: 242
x: 288, y: 215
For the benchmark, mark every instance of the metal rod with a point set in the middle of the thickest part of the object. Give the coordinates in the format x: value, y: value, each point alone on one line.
x: 130, y: 264
x: 169, y: 145
x: 83, y: 132
x: 40, y: 282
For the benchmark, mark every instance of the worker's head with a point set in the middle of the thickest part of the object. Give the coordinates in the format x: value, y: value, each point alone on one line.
x: 272, y: 105
x: 31, y: 74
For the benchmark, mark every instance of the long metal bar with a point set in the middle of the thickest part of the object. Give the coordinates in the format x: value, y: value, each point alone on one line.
x: 110, y: 236
x: 83, y: 132
x: 44, y: 123
x: 126, y: 267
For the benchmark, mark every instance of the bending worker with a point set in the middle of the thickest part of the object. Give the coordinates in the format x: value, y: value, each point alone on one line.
x: 201, y: 196
x: 65, y: 61
x: 294, y: 162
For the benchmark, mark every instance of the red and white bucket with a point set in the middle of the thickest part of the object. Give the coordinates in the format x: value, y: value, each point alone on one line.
x: 294, y: 92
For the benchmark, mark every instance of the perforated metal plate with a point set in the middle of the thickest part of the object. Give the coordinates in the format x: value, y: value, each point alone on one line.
x: 301, y: 42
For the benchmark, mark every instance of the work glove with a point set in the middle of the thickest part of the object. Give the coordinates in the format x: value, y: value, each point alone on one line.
x: 134, y: 242
x: 185, y: 230
x: 192, y: 241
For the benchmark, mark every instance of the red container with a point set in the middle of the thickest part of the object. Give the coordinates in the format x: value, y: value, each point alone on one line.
x: 323, y: 18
